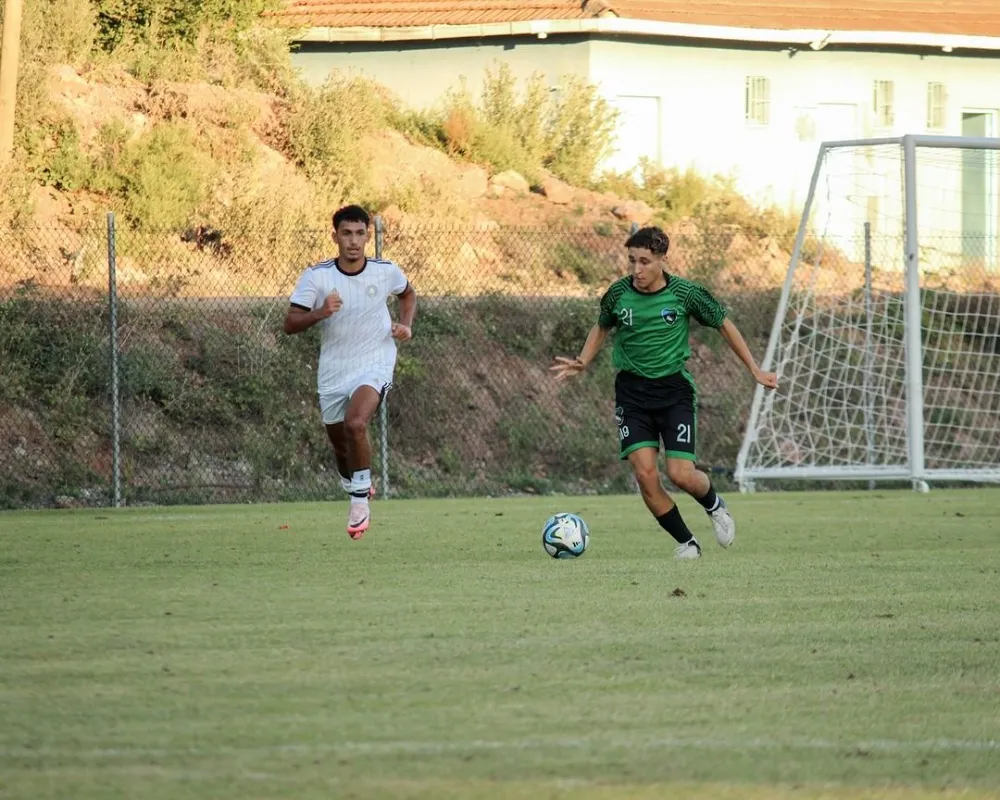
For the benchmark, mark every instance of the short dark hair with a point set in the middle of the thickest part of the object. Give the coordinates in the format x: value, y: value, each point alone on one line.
x: 652, y: 239
x: 351, y: 214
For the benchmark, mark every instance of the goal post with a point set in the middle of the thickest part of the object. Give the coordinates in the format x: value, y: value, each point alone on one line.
x: 886, y: 337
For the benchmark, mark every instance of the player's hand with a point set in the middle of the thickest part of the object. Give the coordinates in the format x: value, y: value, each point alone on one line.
x: 768, y: 380
x: 566, y: 368
x: 401, y: 332
x: 331, y: 305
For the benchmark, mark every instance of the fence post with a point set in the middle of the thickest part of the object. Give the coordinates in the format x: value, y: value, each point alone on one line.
x: 383, y: 420
x: 632, y: 228
x: 116, y: 466
x: 869, y: 354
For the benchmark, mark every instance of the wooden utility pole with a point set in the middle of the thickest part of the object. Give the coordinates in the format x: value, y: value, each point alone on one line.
x: 9, y: 57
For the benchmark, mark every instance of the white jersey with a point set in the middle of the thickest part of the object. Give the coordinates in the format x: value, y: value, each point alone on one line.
x: 358, y: 338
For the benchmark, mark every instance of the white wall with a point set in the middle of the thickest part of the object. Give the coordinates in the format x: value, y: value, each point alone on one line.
x: 422, y: 75
x: 702, y: 101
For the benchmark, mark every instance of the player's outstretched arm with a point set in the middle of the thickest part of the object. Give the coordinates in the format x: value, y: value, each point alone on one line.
x: 299, y: 319
x: 738, y: 345
x: 568, y: 367
x: 403, y: 330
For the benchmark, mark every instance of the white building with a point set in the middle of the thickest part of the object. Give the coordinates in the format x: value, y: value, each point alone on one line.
x: 727, y: 87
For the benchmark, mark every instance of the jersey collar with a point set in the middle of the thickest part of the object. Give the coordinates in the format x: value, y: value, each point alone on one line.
x: 666, y: 277
x: 336, y: 263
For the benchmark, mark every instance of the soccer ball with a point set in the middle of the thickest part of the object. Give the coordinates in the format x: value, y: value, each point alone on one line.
x: 565, y: 536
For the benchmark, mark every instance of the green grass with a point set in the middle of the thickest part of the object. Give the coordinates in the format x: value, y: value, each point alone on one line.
x: 848, y: 646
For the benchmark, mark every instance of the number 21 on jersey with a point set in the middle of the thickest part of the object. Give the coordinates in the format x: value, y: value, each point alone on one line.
x: 625, y: 314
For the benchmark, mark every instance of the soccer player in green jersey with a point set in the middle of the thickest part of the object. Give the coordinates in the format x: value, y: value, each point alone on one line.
x: 655, y: 396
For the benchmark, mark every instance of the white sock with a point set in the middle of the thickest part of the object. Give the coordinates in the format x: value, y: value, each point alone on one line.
x: 361, y: 484
x: 346, y: 483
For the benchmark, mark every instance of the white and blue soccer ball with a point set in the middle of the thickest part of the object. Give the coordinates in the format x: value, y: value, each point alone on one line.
x: 565, y: 536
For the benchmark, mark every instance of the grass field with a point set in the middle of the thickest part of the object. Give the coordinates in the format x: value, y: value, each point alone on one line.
x: 848, y: 646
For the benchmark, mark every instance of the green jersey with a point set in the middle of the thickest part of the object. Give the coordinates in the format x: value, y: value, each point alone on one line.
x: 651, y: 336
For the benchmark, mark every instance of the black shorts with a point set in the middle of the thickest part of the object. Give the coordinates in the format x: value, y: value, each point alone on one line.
x: 648, y: 410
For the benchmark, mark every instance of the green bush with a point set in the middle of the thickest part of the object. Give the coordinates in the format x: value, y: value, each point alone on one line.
x: 440, y: 321
x: 573, y: 322
x: 175, y: 22
x: 66, y: 166
x: 147, y: 370
x: 509, y: 321
x: 221, y: 40
x: 581, y: 130
x: 423, y: 127
x: 329, y: 128
x: 161, y: 179
x: 49, y: 349
x: 530, y: 129
x: 57, y: 31
x: 578, y: 260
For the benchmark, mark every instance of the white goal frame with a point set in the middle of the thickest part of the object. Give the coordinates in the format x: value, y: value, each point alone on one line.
x: 915, y: 471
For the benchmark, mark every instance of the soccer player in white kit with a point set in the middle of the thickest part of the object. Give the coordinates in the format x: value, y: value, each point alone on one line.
x: 347, y: 297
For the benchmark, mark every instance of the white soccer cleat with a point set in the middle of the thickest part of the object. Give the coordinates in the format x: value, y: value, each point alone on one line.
x: 724, y: 524
x: 687, y: 551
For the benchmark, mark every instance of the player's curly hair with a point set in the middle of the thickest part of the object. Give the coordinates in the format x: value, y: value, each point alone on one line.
x: 652, y: 239
x: 351, y: 214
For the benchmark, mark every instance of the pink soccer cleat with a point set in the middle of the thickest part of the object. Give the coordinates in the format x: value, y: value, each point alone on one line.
x: 358, y: 519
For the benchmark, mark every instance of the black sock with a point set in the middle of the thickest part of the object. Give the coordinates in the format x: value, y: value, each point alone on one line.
x: 673, y: 523
x: 710, y: 501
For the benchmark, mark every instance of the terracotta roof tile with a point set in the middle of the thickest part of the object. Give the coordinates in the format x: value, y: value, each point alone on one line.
x: 967, y: 17
x: 407, y: 13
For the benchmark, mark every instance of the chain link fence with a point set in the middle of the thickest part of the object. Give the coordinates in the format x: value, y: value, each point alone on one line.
x: 143, y: 366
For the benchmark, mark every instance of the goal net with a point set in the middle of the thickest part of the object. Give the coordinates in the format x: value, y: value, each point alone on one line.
x: 887, y: 335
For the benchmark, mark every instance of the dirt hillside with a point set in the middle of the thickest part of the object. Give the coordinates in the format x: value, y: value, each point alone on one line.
x: 568, y: 239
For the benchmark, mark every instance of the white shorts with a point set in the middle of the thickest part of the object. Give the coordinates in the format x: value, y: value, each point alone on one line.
x: 334, y: 403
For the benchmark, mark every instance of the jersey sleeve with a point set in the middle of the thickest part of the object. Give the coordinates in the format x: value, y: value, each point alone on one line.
x: 304, y: 294
x: 397, y: 280
x: 702, y: 305
x: 608, y: 319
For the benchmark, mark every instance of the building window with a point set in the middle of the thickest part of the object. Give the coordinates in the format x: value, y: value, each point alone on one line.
x: 884, y: 104
x: 758, y: 101
x: 937, y: 107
